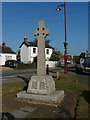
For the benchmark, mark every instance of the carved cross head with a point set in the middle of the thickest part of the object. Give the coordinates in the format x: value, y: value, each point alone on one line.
x: 41, y: 31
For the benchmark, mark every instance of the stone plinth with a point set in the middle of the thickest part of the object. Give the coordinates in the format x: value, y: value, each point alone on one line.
x: 41, y: 85
x: 55, y: 97
x: 42, y: 88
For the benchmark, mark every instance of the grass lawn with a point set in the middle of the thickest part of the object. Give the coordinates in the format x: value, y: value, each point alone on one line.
x: 66, y: 84
x: 12, y: 88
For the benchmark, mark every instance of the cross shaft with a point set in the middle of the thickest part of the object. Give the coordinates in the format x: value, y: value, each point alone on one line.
x: 41, y: 32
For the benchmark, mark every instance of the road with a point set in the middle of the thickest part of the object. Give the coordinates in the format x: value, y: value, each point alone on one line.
x: 83, y: 77
x: 12, y: 76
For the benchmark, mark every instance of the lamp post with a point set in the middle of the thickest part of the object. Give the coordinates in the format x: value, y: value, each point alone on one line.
x: 65, y: 43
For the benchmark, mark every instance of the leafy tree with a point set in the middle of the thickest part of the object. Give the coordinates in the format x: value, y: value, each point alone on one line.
x: 35, y: 40
x: 69, y: 57
x: 46, y: 41
x: 82, y: 55
x: 18, y: 53
x: 8, y: 48
x: 55, y: 56
x: 76, y: 58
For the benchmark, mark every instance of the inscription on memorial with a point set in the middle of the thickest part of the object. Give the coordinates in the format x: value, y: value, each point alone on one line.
x: 34, y: 85
x: 42, y: 85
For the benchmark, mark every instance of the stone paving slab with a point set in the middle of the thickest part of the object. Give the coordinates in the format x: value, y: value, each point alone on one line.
x: 28, y: 109
x: 19, y: 114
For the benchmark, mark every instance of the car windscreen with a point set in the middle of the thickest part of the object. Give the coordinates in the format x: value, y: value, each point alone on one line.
x: 9, y: 61
x: 14, y: 61
x: 87, y: 62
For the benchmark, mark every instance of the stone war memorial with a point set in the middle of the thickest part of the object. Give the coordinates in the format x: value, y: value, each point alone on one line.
x: 41, y: 87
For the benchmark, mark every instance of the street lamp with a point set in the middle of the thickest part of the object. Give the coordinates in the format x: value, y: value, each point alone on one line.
x: 65, y: 43
x: 58, y: 9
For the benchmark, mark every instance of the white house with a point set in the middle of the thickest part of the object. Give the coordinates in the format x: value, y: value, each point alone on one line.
x: 6, y: 54
x: 28, y: 51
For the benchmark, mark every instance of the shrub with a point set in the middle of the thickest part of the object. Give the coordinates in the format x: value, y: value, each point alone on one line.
x: 65, y: 77
x: 27, y: 66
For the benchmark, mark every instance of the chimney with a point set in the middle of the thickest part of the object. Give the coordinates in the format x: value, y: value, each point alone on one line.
x: 25, y: 39
x: 3, y: 44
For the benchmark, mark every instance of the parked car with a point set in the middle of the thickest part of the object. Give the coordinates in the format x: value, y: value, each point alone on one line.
x: 68, y: 62
x: 15, y: 62
x: 12, y: 63
x: 7, y: 63
x: 83, y: 67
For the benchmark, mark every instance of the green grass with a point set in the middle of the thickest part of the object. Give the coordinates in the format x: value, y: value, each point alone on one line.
x: 69, y: 85
x: 31, y: 116
x: 82, y: 109
x: 12, y: 88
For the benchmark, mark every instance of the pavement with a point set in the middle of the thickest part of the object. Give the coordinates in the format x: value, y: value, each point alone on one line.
x: 23, y: 112
x: 18, y: 113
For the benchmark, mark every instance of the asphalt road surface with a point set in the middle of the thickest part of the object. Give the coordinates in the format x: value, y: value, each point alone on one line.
x: 12, y: 76
x: 83, y: 77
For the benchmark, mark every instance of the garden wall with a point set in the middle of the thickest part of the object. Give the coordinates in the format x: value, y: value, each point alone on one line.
x: 53, y: 63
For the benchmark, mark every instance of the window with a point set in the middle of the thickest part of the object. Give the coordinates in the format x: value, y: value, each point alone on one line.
x: 8, y: 57
x: 47, y: 51
x: 34, y: 50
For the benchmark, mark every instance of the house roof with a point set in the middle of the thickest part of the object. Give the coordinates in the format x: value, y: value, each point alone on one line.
x: 5, y: 50
x: 34, y: 44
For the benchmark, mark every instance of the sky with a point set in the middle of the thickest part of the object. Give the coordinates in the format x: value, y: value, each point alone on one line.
x: 20, y: 19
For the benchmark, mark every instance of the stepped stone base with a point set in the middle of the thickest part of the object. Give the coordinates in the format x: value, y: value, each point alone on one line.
x: 42, y: 89
x: 55, y: 97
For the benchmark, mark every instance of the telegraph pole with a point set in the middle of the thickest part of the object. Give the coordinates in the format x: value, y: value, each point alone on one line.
x: 65, y: 43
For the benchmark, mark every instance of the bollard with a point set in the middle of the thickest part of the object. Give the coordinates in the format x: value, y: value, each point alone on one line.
x: 47, y: 69
x: 57, y: 73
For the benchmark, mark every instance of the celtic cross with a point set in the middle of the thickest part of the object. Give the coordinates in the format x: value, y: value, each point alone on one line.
x: 41, y: 32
